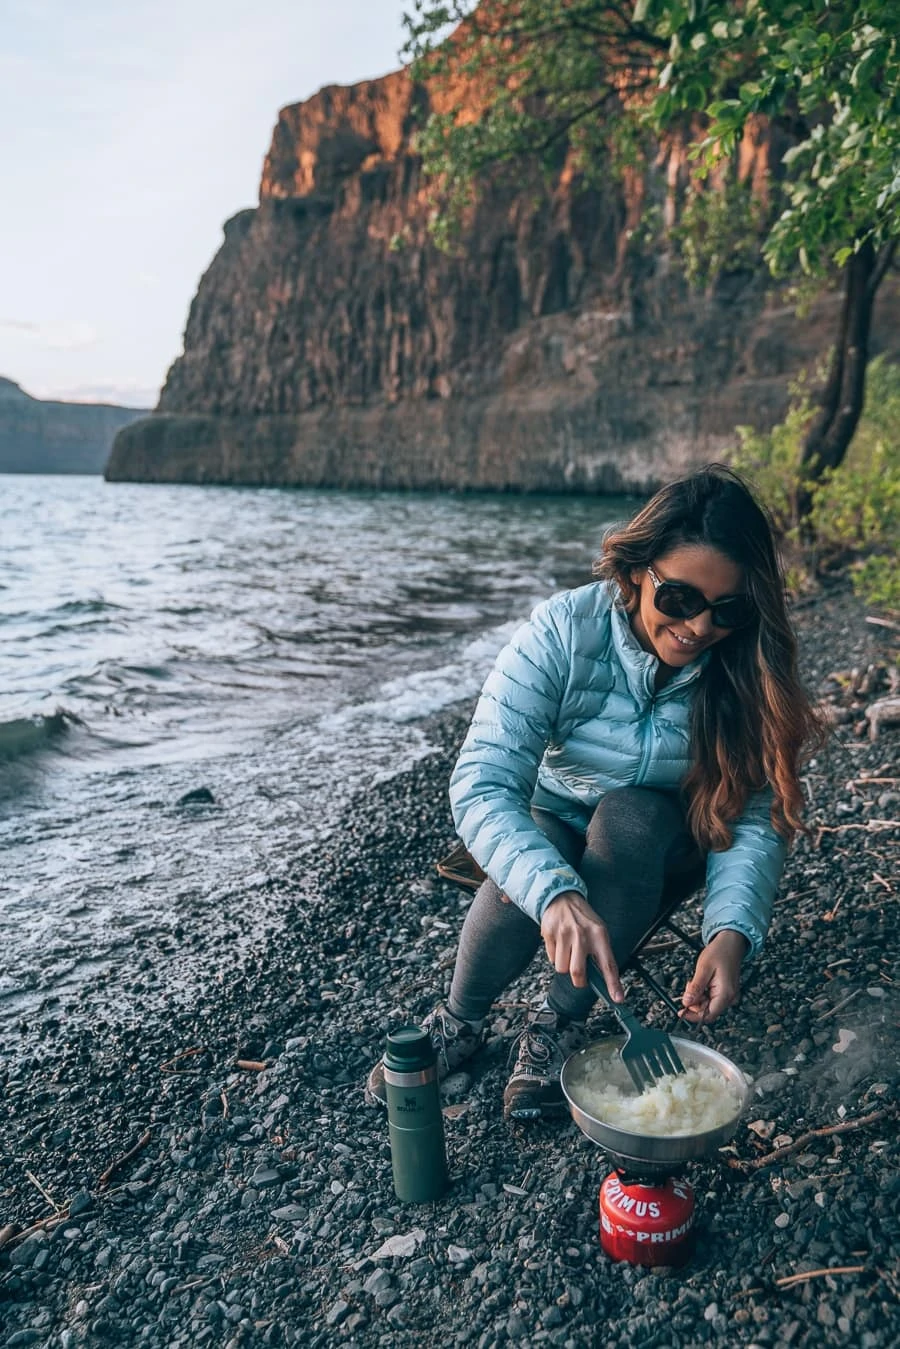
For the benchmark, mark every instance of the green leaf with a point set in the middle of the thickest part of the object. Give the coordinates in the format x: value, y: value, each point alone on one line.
x: 694, y: 95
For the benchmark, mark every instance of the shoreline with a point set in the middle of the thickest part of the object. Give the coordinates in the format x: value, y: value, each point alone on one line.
x: 200, y: 1202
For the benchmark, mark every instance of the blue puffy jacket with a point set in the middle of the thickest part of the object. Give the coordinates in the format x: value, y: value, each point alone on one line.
x: 568, y: 713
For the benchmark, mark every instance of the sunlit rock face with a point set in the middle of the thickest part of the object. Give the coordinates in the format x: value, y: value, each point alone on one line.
x: 331, y: 343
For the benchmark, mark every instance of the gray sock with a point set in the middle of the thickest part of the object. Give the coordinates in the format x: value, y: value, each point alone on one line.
x: 475, y: 1025
x: 562, y: 1018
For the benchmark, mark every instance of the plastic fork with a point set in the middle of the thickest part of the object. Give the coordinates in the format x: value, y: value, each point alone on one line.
x: 648, y: 1054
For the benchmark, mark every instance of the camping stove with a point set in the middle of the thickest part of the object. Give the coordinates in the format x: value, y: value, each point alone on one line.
x: 646, y: 1207
x: 646, y: 1222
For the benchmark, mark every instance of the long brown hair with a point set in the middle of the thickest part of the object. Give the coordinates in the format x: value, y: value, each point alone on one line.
x: 751, y: 716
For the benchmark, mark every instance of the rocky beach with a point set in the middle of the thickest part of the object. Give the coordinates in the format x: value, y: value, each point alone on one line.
x: 203, y: 1171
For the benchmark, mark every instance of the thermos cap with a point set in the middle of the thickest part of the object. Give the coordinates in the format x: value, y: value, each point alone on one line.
x: 409, y: 1049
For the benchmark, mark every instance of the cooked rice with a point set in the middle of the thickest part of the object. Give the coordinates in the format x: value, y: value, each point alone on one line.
x: 692, y: 1102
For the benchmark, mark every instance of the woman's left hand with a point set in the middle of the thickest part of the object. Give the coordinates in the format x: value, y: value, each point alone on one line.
x: 716, y: 983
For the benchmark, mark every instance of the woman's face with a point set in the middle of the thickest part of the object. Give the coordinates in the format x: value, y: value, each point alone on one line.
x: 678, y: 641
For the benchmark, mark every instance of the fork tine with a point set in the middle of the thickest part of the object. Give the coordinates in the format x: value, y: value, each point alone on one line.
x: 649, y: 1069
x: 635, y: 1067
x: 655, y: 1065
x: 667, y: 1058
x: 639, y: 1074
x: 665, y: 1053
x: 674, y: 1059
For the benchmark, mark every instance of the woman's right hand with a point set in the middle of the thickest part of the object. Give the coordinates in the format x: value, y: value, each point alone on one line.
x: 572, y: 932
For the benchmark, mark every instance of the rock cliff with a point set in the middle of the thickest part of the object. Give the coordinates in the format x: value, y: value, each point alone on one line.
x: 38, y: 436
x: 331, y: 344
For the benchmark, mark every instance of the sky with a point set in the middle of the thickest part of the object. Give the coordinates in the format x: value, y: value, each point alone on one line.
x: 131, y: 131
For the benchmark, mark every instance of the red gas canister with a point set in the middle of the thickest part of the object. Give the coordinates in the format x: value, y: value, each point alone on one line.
x: 646, y: 1224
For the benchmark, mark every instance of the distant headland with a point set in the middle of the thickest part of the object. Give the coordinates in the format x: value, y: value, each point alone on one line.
x: 44, y: 436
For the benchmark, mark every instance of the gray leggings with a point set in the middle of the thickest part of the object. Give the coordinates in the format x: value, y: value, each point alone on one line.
x: 637, y: 855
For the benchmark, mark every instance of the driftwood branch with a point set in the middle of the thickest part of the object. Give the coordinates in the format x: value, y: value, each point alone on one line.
x: 121, y: 1161
x: 10, y: 1235
x: 169, y: 1065
x: 838, y: 1005
x: 790, y: 1280
x: 38, y: 1186
x: 870, y: 827
x: 884, y: 712
x: 846, y: 1126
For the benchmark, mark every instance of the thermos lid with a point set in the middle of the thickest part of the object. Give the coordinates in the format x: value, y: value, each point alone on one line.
x: 409, y: 1049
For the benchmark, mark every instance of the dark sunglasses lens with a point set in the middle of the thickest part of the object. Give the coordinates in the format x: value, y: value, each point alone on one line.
x: 678, y: 601
x: 683, y: 601
x: 733, y: 613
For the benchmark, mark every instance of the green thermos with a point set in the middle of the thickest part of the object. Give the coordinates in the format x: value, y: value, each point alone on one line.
x: 415, y: 1123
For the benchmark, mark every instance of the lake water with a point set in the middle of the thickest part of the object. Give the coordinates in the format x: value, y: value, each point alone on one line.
x: 279, y: 648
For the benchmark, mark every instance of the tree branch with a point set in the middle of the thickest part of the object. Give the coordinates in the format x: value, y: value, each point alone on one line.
x: 881, y: 266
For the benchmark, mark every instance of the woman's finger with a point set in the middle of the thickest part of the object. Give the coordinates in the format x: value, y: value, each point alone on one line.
x: 578, y: 964
x: 563, y: 954
x: 697, y: 1013
x: 606, y: 963
x: 721, y: 999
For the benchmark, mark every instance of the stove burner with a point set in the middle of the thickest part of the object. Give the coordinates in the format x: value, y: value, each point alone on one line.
x: 640, y: 1171
x: 633, y: 1173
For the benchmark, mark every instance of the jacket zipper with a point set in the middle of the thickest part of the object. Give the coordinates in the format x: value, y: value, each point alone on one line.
x: 647, y: 727
x: 653, y: 695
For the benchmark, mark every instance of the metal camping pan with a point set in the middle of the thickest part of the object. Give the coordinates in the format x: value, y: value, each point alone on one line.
x: 658, y: 1154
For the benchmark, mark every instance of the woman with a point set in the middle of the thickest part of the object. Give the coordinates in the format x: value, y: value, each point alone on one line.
x: 639, y: 735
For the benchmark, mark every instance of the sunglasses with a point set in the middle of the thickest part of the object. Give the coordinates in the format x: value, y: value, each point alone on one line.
x: 675, y: 599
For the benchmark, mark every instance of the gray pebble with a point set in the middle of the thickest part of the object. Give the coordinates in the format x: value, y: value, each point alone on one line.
x: 455, y: 1087
x: 80, y: 1203
x: 24, y: 1254
x: 264, y: 1178
x: 336, y: 1313
x: 398, y: 1316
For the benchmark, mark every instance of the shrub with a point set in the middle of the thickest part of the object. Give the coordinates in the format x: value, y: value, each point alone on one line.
x: 855, y: 517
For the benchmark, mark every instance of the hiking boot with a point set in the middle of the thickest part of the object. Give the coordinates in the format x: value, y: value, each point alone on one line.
x: 536, y: 1059
x: 454, y: 1042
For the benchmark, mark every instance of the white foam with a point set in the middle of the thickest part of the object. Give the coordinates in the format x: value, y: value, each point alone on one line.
x: 421, y: 693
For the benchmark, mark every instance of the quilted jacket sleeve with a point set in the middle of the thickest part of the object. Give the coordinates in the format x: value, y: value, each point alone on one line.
x: 493, y: 781
x: 741, y: 882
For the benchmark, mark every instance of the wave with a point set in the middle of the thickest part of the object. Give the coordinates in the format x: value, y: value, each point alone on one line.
x: 96, y: 605
x: 421, y: 693
x: 25, y: 736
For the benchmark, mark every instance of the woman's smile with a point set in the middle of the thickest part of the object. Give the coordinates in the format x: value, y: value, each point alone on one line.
x: 690, y: 643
